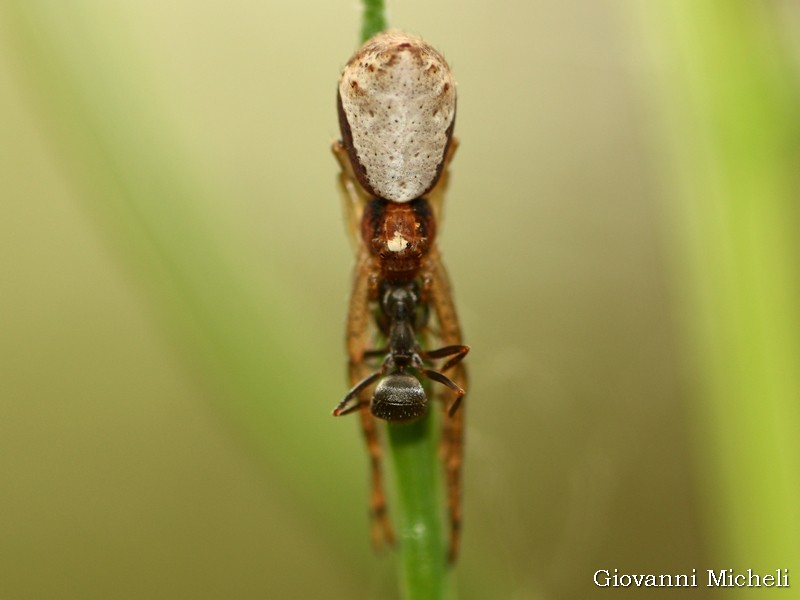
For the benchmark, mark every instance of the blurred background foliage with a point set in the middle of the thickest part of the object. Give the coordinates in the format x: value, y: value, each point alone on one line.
x: 622, y: 236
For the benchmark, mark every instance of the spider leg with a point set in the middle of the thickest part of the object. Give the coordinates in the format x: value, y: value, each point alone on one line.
x: 352, y: 194
x: 357, y: 340
x: 380, y: 527
x: 452, y: 444
x: 453, y: 457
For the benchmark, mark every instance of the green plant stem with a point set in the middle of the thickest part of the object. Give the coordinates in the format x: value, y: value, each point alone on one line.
x: 373, y: 19
x: 417, y: 472
x: 413, y: 453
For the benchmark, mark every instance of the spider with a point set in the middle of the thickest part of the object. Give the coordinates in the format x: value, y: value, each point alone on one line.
x: 396, y: 105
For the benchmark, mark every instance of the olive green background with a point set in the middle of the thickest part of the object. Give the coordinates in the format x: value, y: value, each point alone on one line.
x: 174, y: 274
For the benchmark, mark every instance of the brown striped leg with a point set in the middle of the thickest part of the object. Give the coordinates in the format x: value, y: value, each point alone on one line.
x: 353, y: 196
x: 380, y: 527
x: 452, y: 444
x: 453, y: 453
x: 358, y: 320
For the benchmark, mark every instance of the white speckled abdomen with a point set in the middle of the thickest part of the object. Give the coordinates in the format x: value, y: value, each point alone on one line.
x: 397, y: 105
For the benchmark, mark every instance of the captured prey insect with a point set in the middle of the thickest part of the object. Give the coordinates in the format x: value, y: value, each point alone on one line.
x: 397, y: 103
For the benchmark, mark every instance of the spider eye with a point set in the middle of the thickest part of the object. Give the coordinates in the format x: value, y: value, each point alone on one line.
x: 399, y: 397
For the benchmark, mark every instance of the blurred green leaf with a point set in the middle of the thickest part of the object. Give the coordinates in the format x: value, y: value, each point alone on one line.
x: 733, y: 115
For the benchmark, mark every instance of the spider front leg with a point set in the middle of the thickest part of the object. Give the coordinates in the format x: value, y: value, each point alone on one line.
x: 357, y: 339
x: 452, y: 452
x: 452, y: 444
x: 380, y: 527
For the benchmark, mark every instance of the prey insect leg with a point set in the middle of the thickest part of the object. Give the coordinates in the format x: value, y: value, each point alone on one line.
x: 340, y: 410
x: 457, y: 352
x: 445, y: 380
